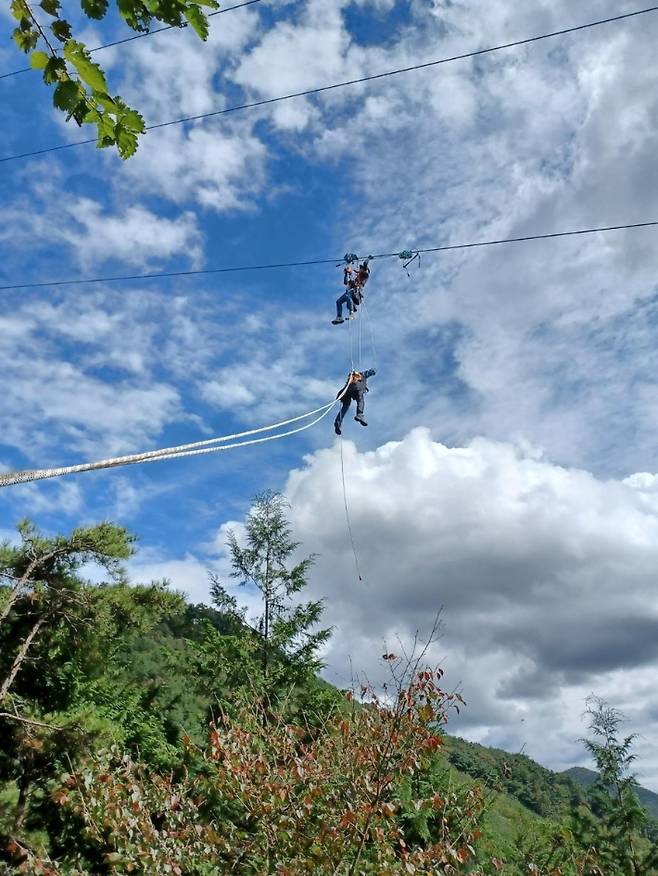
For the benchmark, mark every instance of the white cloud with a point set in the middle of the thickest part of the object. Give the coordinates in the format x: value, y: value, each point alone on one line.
x: 133, y: 234
x: 219, y: 164
x: 30, y: 500
x: 188, y: 575
x: 545, y: 576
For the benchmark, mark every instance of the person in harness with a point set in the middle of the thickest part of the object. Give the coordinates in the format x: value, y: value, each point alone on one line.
x: 355, y: 388
x: 353, y: 295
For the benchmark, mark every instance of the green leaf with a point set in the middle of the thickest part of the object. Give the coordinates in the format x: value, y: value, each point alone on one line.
x: 133, y: 121
x: 136, y: 18
x: 105, y: 127
x: 94, y: 8
x: 79, y: 112
x: 89, y: 72
x: 126, y: 141
x: 26, y: 40
x: 55, y: 71
x: 50, y: 6
x: 67, y: 95
x: 38, y: 60
x: 198, y: 21
x: 108, y: 103
x: 61, y: 29
x: 18, y: 10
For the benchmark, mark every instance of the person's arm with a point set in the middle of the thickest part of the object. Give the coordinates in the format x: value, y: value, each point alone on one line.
x: 370, y: 373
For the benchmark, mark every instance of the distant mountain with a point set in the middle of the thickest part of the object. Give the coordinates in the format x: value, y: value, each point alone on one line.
x: 586, y: 778
x: 547, y: 794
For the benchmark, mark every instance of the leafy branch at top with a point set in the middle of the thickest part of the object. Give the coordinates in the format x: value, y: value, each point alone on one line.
x: 81, y: 89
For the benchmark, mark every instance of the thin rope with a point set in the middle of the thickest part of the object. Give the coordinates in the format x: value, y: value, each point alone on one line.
x: 308, y: 262
x: 360, y: 321
x: 194, y: 449
x: 347, y: 513
x: 349, y: 331
x: 349, y: 82
x: 372, y: 336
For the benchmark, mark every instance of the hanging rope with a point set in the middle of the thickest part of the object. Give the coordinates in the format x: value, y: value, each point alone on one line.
x: 360, y: 321
x: 351, y: 336
x: 371, y: 333
x: 209, y: 445
x: 347, y: 514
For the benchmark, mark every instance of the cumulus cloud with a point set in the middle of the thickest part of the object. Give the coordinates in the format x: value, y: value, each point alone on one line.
x: 544, y: 575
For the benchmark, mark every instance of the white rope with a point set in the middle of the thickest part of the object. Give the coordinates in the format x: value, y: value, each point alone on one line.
x: 360, y: 319
x: 347, y: 513
x: 194, y: 449
x: 349, y: 331
x: 372, y: 335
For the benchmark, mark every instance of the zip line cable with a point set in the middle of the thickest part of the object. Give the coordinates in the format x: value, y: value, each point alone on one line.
x: 348, y: 82
x: 275, y: 266
x: 139, y: 36
x: 210, y: 445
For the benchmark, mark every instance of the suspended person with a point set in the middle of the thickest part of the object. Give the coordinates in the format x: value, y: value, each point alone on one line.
x: 355, y: 388
x: 363, y: 274
x: 346, y: 298
x: 353, y: 295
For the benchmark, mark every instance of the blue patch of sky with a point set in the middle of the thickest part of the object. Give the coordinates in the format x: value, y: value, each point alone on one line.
x: 377, y: 26
x: 440, y: 362
x: 304, y: 218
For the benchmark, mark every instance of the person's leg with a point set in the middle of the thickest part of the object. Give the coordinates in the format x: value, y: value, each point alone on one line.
x: 360, y: 404
x: 344, y: 299
x: 347, y: 401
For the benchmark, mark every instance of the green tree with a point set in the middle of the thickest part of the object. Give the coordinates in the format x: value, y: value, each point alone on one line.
x: 64, y: 689
x: 81, y: 88
x: 43, y: 585
x: 272, y: 797
x: 286, y: 644
x: 613, y: 825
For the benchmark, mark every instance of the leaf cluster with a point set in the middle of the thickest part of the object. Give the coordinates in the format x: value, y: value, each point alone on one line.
x: 80, y: 85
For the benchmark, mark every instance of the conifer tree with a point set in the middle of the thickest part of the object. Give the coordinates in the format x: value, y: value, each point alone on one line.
x: 287, y: 643
x: 614, y: 826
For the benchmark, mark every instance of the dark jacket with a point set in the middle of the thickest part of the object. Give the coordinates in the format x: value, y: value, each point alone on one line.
x: 360, y: 386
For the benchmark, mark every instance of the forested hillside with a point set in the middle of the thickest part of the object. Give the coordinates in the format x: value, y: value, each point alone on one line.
x: 142, y: 734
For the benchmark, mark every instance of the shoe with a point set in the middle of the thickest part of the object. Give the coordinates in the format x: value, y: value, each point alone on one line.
x: 361, y: 420
x: 337, y: 429
x: 351, y: 316
x: 337, y: 321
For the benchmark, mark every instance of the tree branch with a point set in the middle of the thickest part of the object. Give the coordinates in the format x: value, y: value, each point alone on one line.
x: 29, y: 721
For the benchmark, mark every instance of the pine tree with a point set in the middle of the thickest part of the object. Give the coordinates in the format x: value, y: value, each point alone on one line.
x: 614, y: 825
x: 287, y: 645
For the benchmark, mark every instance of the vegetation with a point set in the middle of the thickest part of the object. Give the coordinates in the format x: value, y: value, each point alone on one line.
x: 140, y: 734
x: 81, y: 88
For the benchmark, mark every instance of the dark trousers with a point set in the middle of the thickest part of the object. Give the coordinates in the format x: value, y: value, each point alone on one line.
x: 347, y: 401
x: 346, y: 298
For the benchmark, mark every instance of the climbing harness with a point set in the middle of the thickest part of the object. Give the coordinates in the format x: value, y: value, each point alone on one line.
x: 407, y: 256
x: 209, y: 445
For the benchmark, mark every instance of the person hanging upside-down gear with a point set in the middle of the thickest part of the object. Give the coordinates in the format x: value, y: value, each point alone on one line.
x: 355, y: 388
x: 353, y: 295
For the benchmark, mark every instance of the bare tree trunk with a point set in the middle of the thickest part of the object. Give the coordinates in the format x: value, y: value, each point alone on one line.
x: 21, y: 806
x: 20, y: 656
x: 23, y: 580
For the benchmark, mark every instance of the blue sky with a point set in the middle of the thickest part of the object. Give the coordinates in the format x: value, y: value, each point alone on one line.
x: 507, y: 473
